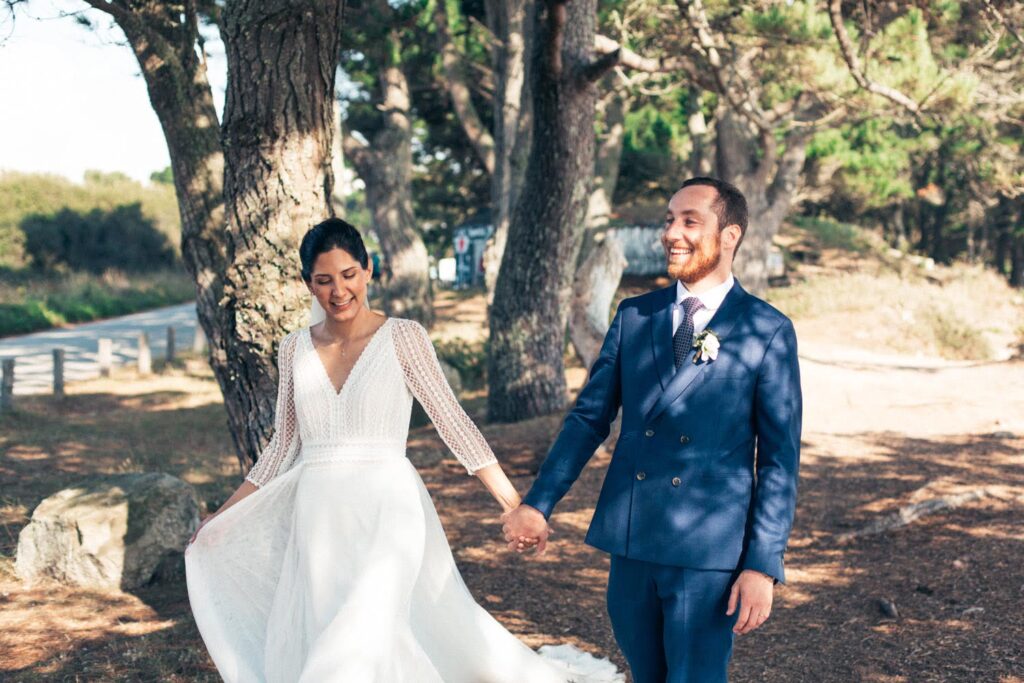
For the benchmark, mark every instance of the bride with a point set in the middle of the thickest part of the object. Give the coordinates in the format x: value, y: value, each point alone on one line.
x: 329, y: 562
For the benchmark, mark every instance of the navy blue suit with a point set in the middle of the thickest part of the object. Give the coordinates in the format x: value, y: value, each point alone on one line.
x: 702, y: 483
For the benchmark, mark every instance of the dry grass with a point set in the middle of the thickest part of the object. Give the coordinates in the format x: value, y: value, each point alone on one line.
x: 890, y: 304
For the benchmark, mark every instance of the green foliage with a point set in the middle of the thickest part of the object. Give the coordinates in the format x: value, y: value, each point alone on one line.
x: 871, y: 160
x: 165, y: 176
x: 655, y: 147
x: 470, y: 360
x: 23, y: 195
x: 96, y: 241
x: 29, y: 302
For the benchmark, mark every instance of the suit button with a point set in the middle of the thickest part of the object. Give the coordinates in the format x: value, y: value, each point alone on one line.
x: 684, y: 439
x: 676, y: 481
x: 640, y: 476
x: 649, y: 432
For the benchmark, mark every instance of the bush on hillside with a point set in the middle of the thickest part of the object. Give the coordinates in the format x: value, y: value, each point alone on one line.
x: 23, y: 195
x: 121, y: 239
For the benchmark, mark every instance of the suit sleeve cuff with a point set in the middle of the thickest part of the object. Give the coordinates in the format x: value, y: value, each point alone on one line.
x: 770, y: 564
x: 536, y: 500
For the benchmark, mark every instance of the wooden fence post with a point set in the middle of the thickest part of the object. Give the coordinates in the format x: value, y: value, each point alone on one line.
x: 145, y: 356
x: 7, y: 386
x: 199, y: 340
x: 170, y: 344
x: 106, y: 356
x: 58, y: 372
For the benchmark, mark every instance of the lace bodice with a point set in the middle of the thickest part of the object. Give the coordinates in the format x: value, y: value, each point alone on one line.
x: 372, y: 407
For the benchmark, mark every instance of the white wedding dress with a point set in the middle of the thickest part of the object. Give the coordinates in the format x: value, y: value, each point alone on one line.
x: 337, y: 568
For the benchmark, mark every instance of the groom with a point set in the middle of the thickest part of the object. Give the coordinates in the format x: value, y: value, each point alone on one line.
x: 698, y: 501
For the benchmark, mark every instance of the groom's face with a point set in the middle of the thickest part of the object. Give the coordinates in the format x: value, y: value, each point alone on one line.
x: 691, y: 238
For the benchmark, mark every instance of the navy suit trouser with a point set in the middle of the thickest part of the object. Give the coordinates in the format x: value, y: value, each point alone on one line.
x: 670, y: 622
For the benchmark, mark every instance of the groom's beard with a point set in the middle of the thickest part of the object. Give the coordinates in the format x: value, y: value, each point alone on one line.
x: 705, y: 258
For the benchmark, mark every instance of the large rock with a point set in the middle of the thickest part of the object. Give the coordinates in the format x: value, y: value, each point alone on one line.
x: 109, y: 533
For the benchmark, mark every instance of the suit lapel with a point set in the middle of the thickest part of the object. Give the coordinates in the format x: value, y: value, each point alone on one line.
x: 661, y: 334
x: 728, y: 314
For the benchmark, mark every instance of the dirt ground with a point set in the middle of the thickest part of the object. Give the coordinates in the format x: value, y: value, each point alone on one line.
x: 881, y: 432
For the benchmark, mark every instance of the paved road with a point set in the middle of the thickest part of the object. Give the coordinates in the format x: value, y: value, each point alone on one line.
x: 33, y: 353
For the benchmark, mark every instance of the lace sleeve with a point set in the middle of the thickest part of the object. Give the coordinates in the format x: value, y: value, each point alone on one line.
x: 427, y: 383
x: 278, y: 455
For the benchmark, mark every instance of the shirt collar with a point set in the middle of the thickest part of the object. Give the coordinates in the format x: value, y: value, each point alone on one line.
x: 712, y: 299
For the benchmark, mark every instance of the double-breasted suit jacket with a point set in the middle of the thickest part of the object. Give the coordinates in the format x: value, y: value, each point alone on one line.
x: 704, y: 474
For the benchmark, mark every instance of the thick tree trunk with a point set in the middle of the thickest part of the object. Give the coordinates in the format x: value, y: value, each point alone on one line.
x: 596, y: 282
x: 386, y: 169
x: 769, y: 184
x: 275, y: 171
x: 277, y: 134
x: 1003, y: 229
x: 528, y: 318
x: 608, y: 159
x: 180, y: 94
x: 512, y: 24
x: 1017, y: 261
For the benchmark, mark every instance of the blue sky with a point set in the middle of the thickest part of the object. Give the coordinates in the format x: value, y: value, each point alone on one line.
x: 72, y: 99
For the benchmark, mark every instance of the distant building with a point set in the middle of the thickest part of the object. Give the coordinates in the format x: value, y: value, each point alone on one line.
x: 470, y: 241
x: 641, y: 245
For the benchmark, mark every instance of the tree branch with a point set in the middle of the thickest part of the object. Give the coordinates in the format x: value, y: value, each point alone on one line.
x: 1004, y: 21
x: 632, y: 60
x: 835, y: 14
x: 113, y: 9
x: 455, y: 84
x: 355, y: 149
x: 599, y: 67
x: 742, y: 103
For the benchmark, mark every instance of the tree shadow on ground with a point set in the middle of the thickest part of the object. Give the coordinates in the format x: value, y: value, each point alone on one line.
x: 954, y: 577
x: 950, y: 575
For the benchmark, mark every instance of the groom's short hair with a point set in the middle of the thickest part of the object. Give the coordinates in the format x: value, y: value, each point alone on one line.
x: 731, y: 205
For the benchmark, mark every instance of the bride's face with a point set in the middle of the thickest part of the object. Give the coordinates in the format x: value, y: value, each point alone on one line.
x: 338, y: 282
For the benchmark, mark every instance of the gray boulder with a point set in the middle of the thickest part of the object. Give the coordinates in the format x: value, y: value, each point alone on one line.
x: 109, y: 533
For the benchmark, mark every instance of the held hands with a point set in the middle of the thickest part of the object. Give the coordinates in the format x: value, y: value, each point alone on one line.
x: 525, y: 527
x: 754, y: 591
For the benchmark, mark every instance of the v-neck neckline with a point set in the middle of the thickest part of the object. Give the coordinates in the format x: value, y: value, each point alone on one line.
x: 355, y: 366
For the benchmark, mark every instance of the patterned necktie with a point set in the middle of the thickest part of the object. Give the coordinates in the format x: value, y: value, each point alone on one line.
x: 682, y: 340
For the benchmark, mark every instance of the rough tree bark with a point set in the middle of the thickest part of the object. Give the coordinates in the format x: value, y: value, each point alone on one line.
x: 512, y: 24
x: 601, y: 262
x: 528, y: 318
x: 385, y: 165
x: 609, y: 155
x: 266, y: 178
x: 769, y: 184
x: 277, y: 135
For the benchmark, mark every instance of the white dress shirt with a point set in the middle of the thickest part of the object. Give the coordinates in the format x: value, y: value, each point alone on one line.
x: 712, y: 300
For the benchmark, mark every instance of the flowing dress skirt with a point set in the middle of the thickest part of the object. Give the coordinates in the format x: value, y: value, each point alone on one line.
x: 339, y: 570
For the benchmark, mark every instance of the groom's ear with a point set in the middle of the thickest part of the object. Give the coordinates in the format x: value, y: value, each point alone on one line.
x: 731, y: 236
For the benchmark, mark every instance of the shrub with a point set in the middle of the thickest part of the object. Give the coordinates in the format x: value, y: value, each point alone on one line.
x: 470, y: 360
x: 121, y: 238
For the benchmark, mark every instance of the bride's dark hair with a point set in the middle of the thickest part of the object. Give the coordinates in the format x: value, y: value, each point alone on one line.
x: 333, y: 233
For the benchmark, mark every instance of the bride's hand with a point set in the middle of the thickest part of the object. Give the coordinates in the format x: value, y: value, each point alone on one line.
x: 198, y: 529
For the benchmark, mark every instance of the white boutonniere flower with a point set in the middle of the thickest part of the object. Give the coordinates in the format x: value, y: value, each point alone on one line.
x: 707, y: 345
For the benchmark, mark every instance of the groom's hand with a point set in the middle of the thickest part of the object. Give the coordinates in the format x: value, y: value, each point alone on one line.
x: 525, y: 527
x: 754, y: 591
